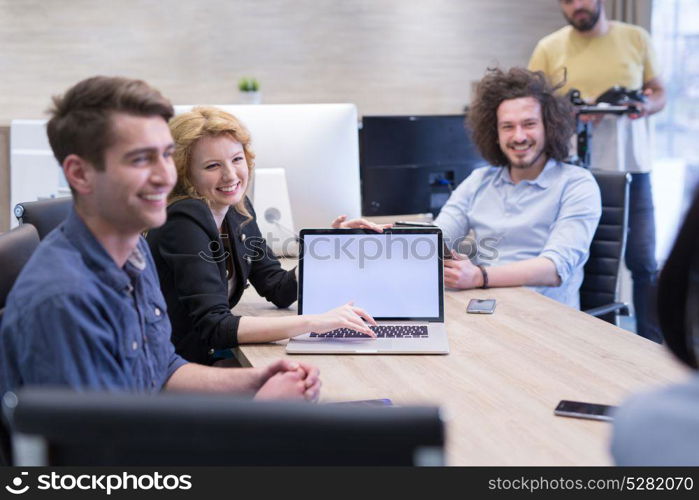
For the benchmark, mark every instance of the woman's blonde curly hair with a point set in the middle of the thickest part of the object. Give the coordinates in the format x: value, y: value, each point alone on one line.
x: 187, y: 129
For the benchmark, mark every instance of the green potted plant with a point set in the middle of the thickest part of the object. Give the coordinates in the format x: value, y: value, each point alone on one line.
x: 249, y: 90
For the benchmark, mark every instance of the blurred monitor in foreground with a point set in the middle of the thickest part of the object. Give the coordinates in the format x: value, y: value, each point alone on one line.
x: 61, y: 427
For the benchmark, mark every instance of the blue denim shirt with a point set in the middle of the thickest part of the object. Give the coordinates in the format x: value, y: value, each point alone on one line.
x: 553, y: 216
x: 75, y: 319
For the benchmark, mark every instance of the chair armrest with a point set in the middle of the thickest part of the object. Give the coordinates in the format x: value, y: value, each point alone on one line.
x: 618, y: 307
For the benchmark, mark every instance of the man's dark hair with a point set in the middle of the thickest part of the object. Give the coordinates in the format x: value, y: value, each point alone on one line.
x: 81, y: 119
x: 498, y: 86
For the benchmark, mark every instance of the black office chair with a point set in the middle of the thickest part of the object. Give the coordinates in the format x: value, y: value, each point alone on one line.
x: 16, y: 247
x: 97, y: 428
x: 598, y: 293
x: 45, y: 215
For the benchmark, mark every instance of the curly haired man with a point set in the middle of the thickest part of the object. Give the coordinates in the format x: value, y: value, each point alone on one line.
x: 528, y: 218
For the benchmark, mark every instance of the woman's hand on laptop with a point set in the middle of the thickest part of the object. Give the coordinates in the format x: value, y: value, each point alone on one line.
x: 346, y: 316
x: 342, y: 223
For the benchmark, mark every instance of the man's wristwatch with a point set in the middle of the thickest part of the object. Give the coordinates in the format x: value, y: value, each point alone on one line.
x: 485, y: 275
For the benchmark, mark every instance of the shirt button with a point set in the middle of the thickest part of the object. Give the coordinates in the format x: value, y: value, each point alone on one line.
x: 157, y: 311
x: 248, y: 259
x: 242, y: 237
x: 211, y: 352
x: 134, y: 346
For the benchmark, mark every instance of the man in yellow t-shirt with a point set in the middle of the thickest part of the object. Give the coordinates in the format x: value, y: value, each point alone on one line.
x: 593, y: 54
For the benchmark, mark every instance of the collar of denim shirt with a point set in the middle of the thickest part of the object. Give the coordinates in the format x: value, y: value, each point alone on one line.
x: 97, y: 258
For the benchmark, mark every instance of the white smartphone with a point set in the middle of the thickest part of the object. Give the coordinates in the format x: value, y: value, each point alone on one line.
x: 481, y: 306
x: 578, y: 409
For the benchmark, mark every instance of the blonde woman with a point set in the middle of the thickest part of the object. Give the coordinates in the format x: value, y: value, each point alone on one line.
x: 211, y: 246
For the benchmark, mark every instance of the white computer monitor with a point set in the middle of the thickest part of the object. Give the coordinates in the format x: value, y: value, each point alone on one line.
x: 34, y: 172
x: 317, y: 145
x: 270, y: 197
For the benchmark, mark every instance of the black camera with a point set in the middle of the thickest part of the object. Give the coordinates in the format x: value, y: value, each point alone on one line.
x: 616, y: 100
x: 621, y: 96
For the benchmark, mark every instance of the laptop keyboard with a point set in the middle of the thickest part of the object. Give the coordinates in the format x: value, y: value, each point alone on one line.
x: 381, y: 331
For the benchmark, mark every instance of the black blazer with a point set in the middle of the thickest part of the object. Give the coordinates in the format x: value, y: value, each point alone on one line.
x: 191, y: 260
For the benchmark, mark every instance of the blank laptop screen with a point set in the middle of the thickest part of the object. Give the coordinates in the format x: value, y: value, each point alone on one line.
x: 390, y: 275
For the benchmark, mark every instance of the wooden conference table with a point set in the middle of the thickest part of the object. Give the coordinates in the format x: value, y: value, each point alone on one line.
x: 505, y: 374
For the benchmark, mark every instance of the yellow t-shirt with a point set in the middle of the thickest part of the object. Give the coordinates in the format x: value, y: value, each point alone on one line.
x: 623, y: 56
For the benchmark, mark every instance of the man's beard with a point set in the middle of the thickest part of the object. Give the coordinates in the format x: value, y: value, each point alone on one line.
x: 586, y: 24
x: 529, y: 163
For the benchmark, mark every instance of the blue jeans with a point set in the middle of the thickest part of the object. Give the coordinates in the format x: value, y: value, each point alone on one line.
x: 640, y: 256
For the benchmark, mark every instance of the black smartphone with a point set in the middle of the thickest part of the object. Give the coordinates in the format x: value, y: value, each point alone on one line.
x: 578, y: 409
x: 405, y: 223
x: 365, y: 402
x: 481, y: 306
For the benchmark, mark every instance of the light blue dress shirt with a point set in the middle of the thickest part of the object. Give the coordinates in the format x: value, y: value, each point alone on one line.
x: 495, y: 221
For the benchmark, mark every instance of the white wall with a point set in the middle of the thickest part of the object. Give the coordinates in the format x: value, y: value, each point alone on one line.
x: 386, y: 56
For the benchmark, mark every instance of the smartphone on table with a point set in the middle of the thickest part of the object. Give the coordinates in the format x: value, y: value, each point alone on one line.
x: 365, y: 402
x: 579, y: 409
x: 481, y: 306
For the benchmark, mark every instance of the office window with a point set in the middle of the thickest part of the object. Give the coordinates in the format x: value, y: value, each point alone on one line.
x: 676, y: 37
x: 675, y: 31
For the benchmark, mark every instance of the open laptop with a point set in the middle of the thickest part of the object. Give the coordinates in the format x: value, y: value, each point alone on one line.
x: 396, y: 276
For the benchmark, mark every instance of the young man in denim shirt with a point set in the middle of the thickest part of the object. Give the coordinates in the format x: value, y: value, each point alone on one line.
x: 87, y: 311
